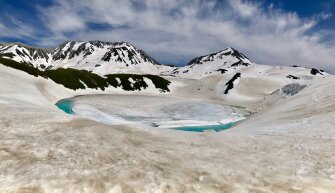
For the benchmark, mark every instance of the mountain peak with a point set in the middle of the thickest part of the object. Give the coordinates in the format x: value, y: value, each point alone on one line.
x: 223, y: 61
x: 223, y: 55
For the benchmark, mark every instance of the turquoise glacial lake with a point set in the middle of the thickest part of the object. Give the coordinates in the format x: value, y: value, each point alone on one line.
x: 65, y: 105
x: 204, y: 128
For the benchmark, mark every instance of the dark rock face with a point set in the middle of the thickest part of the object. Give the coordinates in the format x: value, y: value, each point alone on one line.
x: 292, y: 89
x: 222, y: 71
x: 238, y: 54
x: 8, y: 55
x: 315, y: 71
x: 107, y: 57
x: 292, y: 77
x: 240, y: 63
x: 230, y: 83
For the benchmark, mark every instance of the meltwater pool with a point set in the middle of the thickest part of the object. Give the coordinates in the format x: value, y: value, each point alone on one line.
x: 65, y: 105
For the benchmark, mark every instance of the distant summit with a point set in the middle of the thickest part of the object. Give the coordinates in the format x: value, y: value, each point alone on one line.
x: 223, y: 56
x: 215, y: 63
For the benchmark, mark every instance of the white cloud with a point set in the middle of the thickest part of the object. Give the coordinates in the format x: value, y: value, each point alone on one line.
x: 244, y: 9
x: 15, y: 28
x: 177, y: 30
x: 61, y: 19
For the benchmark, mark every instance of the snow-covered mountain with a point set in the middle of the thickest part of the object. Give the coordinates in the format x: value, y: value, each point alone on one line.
x: 229, y: 62
x: 217, y: 63
x: 96, y: 56
x: 25, y: 54
x: 121, y: 57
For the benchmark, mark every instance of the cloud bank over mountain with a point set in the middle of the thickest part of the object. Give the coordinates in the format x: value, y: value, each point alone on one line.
x: 175, y: 31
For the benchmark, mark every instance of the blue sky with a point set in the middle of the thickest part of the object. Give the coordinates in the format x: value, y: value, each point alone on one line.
x: 287, y: 32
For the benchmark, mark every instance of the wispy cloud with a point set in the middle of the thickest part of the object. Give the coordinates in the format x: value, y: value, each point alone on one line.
x: 15, y: 28
x: 174, y: 31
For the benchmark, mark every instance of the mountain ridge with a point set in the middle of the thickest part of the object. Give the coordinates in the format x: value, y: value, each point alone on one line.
x: 88, y: 55
x: 104, y: 58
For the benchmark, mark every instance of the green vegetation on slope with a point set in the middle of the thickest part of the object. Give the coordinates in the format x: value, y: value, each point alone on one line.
x: 23, y: 67
x: 159, y: 82
x: 127, y: 81
x: 80, y: 79
x: 137, y: 82
x: 76, y: 79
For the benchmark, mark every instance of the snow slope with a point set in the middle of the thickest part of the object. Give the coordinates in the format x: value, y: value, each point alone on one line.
x: 287, y: 146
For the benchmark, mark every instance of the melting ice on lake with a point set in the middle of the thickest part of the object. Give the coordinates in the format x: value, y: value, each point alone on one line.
x: 192, y: 116
x: 204, y: 128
